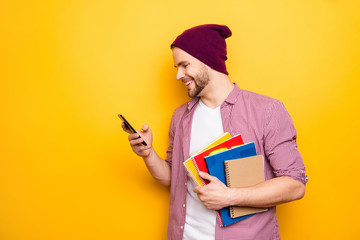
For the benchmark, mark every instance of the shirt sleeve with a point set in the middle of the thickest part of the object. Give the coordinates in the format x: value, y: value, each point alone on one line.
x: 169, y: 151
x: 280, y: 144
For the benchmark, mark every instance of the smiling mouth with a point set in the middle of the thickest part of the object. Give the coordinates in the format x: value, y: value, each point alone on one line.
x: 188, y: 82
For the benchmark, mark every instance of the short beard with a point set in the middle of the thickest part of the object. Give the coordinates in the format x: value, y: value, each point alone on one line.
x: 200, y: 80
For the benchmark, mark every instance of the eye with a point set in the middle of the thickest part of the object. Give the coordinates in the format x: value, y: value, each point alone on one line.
x: 185, y: 65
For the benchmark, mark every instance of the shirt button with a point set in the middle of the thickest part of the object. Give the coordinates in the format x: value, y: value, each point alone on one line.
x: 183, y: 205
x: 181, y: 227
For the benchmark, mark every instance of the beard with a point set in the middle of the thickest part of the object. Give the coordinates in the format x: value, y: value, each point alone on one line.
x: 201, y: 80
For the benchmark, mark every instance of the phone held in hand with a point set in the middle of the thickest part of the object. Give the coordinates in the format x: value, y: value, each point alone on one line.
x: 128, y: 126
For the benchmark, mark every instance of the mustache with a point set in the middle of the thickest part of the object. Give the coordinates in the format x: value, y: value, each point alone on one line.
x: 187, y: 78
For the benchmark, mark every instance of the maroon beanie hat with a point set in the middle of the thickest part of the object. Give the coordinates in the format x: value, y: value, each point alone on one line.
x: 207, y: 44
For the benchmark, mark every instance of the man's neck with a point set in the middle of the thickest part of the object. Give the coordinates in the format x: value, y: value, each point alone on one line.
x: 218, y: 89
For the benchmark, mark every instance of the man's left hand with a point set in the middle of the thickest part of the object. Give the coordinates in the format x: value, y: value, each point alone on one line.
x: 215, y: 195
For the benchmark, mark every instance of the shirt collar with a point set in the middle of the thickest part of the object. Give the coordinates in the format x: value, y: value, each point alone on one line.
x: 234, y: 95
x: 193, y: 102
x: 231, y: 99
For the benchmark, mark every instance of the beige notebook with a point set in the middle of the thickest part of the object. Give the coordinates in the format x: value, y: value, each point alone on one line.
x: 244, y: 172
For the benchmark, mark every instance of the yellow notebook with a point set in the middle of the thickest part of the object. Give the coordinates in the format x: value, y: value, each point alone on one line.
x: 189, y: 165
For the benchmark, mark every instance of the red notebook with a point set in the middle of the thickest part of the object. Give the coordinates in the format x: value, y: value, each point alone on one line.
x: 199, y: 160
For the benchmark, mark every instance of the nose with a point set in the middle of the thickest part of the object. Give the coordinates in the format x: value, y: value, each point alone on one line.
x: 180, y: 74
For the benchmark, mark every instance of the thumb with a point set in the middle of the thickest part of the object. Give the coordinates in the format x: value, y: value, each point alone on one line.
x: 145, y: 128
x: 206, y: 176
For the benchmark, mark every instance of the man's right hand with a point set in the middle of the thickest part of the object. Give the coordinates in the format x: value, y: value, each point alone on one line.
x: 158, y: 168
x: 135, y: 141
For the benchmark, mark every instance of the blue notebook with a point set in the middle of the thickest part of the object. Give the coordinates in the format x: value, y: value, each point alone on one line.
x: 215, y: 164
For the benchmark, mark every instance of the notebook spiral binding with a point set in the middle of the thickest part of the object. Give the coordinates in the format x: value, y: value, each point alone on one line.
x: 228, y: 183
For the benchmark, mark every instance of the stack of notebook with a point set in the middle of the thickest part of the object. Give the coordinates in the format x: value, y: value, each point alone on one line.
x: 235, y: 164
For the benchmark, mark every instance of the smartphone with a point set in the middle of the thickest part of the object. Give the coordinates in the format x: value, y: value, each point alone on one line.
x: 128, y: 125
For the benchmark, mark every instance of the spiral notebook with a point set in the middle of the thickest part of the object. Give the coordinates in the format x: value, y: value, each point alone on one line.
x: 244, y: 172
x: 215, y: 164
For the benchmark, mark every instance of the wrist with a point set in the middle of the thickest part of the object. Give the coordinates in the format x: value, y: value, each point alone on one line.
x: 236, y: 197
x: 150, y: 156
x: 231, y: 197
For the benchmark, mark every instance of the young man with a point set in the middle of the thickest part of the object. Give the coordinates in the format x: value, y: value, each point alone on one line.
x: 218, y: 106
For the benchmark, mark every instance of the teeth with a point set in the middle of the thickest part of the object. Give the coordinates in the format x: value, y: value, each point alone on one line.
x: 188, y: 83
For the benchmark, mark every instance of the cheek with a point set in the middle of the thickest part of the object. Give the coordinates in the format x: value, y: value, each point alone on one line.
x: 190, y: 72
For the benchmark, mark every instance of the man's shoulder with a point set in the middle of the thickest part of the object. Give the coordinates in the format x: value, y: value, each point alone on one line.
x: 260, y: 104
x: 179, y: 111
x: 258, y: 99
x: 178, y: 114
x: 182, y: 107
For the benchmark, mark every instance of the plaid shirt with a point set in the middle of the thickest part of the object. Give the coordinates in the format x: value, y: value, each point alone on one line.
x: 258, y: 119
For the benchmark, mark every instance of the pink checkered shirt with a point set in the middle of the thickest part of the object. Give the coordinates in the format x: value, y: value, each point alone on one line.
x: 258, y: 119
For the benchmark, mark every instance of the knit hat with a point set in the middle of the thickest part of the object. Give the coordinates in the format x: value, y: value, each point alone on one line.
x: 207, y: 44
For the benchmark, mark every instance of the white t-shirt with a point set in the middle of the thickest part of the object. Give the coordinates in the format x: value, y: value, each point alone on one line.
x: 206, y: 127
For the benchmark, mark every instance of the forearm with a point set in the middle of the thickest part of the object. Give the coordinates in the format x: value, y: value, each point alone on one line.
x: 158, y: 168
x: 267, y: 194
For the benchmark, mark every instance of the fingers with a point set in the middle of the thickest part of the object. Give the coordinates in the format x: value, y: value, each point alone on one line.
x: 133, y: 136
x: 212, y: 195
x: 125, y: 128
x: 136, y: 144
x: 202, y: 195
x: 141, y: 148
x: 136, y: 141
x: 207, y: 176
x: 145, y: 128
x: 197, y: 190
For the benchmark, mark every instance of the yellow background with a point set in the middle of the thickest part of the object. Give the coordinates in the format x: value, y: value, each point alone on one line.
x: 67, y: 68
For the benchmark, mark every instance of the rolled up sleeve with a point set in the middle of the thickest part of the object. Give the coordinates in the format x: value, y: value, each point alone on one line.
x: 280, y: 144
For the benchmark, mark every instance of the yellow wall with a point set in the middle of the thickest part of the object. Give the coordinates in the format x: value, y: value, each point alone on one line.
x: 67, y: 68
